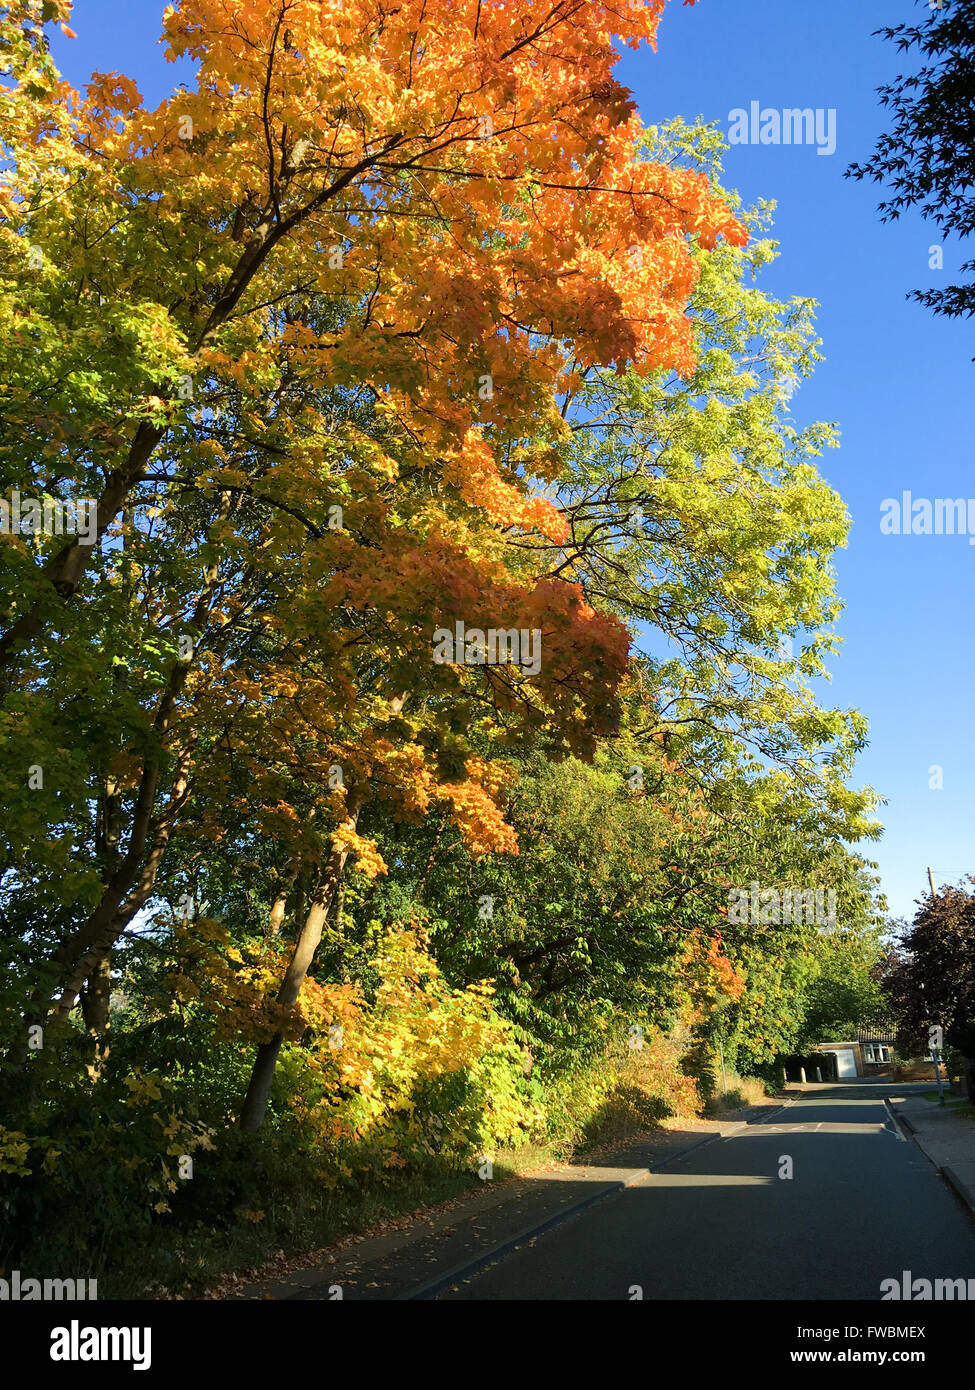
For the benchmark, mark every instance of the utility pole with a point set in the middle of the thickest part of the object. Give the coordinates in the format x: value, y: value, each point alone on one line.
x: 931, y: 881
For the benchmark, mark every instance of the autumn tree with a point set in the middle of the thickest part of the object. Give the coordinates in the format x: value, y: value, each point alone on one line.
x: 439, y: 163
x: 674, y: 495
x: 299, y: 334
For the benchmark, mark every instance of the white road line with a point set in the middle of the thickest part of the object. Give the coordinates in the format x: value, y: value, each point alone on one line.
x: 897, y: 1129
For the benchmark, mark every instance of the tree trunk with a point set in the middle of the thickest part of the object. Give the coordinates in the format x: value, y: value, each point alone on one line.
x: 254, y: 1106
x: 277, y: 913
x: 134, y: 876
x: 280, y: 904
x: 80, y: 956
x: 95, y: 999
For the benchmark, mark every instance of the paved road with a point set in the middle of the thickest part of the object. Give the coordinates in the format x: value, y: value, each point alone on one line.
x: 863, y: 1205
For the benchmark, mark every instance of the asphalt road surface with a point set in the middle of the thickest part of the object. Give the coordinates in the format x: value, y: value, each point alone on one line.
x: 863, y: 1204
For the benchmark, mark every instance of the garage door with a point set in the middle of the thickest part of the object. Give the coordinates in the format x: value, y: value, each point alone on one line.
x: 846, y: 1062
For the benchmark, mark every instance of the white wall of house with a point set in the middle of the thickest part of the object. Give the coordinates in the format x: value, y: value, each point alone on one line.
x: 847, y: 1056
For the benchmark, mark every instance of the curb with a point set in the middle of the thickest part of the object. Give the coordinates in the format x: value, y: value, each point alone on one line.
x: 899, y: 1117
x: 962, y: 1189
x: 441, y: 1282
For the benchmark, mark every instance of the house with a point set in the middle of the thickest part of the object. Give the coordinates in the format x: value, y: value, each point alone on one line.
x: 865, y: 1055
x: 871, y: 1053
x: 846, y: 1057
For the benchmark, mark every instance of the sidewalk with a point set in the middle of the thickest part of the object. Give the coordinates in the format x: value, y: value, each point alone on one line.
x: 947, y: 1138
x: 441, y: 1248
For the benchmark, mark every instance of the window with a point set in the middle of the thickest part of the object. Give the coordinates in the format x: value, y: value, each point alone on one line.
x: 876, y: 1052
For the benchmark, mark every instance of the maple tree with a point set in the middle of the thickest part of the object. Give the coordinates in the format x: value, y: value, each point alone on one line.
x: 735, y: 779
x: 469, y: 170
x: 434, y: 234
x: 385, y: 322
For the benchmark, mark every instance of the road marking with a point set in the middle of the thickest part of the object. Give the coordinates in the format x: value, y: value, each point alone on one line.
x: 893, y: 1120
x: 708, y: 1180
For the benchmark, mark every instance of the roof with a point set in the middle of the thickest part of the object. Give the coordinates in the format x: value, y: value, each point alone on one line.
x: 881, y: 1033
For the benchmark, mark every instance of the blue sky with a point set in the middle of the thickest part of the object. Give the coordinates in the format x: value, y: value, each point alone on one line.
x: 898, y: 382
